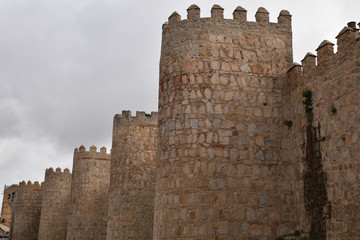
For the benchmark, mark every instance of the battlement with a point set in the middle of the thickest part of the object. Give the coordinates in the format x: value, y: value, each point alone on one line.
x: 81, y: 153
x: 141, y: 118
x: 51, y: 175
x: 348, y: 44
x: 189, y: 39
x: 36, y: 186
x: 239, y: 15
x: 50, y: 171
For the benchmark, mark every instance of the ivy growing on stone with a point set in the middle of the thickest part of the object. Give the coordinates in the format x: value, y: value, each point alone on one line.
x: 317, y: 205
x: 308, y: 100
x: 288, y: 123
x: 333, y: 110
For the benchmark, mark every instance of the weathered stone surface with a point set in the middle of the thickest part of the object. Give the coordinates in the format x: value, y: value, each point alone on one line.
x: 227, y: 141
x: 8, y: 204
x: 240, y: 150
x: 55, y: 205
x: 132, y: 181
x: 89, y: 194
x: 334, y: 83
x: 26, y: 211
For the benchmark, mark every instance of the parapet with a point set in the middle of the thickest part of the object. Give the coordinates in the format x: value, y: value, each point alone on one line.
x: 347, y: 36
x: 36, y: 186
x: 51, y: 174
x: 81, y: 153
x: 58, y: 171
x: 217, y: 14
x: 140, y: 118
x: 348, y: 41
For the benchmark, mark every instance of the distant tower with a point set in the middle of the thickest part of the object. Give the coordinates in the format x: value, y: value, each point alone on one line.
x: 8, y: 203
x: 55, y: 205
x: 219, y: 173
x: 132, y: 181
x: 26, y: 211
x: 88, y: 198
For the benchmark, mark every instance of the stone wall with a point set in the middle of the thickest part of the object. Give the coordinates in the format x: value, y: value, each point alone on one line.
x: 220, y: 173
x: 7, y: 204
x: 132, y: 181
x: 26, y: 211
x: 245, y: 146
x: 88, y: 198
x: 55, y: 205
x: 323, y: 143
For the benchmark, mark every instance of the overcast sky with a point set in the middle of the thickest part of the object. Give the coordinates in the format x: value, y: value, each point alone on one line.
x: 67, y: 67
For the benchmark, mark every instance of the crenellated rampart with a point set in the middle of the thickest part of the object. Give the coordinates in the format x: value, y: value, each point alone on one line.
x: 81, y: 153
x: 324, y: 144
x: 217, y: 14
x: 55, y: 204
x: 139, y: 118
x: 185, y: 38
x: 324, y: 62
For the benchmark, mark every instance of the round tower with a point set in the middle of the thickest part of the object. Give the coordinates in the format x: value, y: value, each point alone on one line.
x: 55, y: 204
x: 26, y: 211
x: 219, y: 173
x: 132, y: 181
x: 88, y: 197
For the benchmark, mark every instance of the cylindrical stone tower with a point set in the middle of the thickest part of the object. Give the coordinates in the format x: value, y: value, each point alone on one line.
x: 55, y: 205
x: 26, y: 211
x: 219, y: 173
x: 88, y: 197
x: 132, y: 181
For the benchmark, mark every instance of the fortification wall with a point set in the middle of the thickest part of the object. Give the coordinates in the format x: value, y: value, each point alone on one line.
x: 323, y: 142
x: 55, y: 204
x: 7, y: 204
x: 219, y: 173
x: 132, y: 181
x: 88, y: 197
x: 26, y: 211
